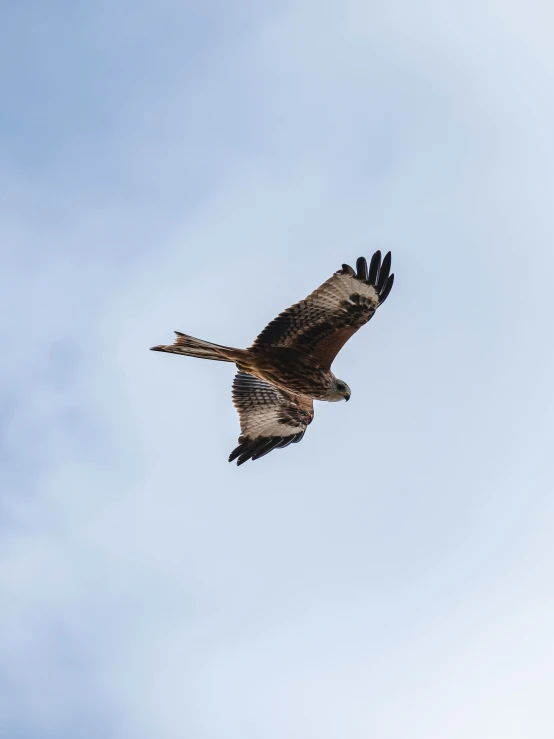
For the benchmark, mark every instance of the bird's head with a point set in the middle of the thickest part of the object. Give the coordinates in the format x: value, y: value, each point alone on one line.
x: 338, y: 390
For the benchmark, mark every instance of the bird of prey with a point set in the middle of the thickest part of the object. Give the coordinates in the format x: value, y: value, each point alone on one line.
x: 289, y: 365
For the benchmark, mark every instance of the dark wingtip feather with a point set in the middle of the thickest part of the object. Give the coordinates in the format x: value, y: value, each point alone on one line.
x: 157, y: 349
x: 374, y: 268
x: 386, y: 290
x: 361, y: 268
x: 257, y: 448
x: 347, y: 270
x: 235, y: 453
x: 285, y: 442
x: 384, y: 272
x: 244, y: 441
x: 247, y: 451
x: 269, y: 446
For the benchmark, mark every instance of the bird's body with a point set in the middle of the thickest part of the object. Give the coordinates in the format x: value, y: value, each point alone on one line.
x: 289, y: 364
x: 289, y: 369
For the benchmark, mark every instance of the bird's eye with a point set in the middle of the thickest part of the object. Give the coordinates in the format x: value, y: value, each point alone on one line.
x: 340, y: 386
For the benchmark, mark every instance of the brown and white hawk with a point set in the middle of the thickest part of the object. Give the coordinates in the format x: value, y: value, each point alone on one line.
x: 289, y: 364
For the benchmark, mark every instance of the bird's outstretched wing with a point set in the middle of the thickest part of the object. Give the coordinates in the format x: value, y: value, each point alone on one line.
x: 270, y: 418
x: 322, y: 323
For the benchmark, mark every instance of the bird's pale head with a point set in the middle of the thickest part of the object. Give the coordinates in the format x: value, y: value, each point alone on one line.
x: 338, y: 390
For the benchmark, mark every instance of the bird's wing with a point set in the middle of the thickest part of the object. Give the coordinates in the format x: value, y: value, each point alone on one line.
x: 322, y: 323
x: 270, y: 418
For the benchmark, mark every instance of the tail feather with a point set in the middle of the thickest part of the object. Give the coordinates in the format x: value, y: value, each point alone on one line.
x: 191, y: 347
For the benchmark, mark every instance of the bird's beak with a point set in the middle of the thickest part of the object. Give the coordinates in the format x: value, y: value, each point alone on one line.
x: 347, y: 397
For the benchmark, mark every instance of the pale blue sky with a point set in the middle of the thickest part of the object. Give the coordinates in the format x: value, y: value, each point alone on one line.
x: 199, y: 167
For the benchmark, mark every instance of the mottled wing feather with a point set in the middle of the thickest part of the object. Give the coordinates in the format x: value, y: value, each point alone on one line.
x: 322, y: 323
x: 270, y: 418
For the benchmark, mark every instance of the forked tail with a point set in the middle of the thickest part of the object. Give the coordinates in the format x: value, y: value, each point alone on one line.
x: 191, y: 347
